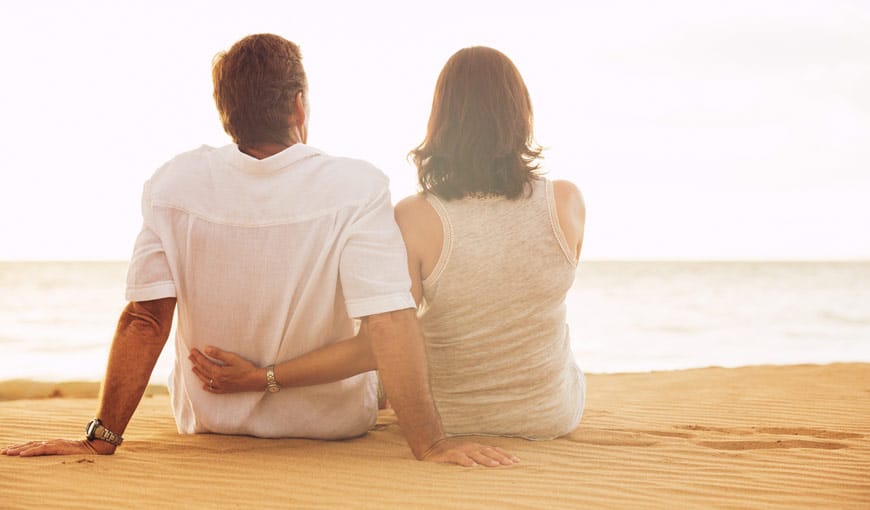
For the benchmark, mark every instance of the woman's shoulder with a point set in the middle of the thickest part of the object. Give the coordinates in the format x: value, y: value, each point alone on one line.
x: 568, y: 199
x: 571, y: 213
x: 416, y: 217
x: 566, y: 192
x: 422, y: 231
x: 411, y: 202
x: 414, y: 209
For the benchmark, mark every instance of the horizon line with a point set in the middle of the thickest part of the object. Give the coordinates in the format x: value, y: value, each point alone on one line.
x: 582, y: 259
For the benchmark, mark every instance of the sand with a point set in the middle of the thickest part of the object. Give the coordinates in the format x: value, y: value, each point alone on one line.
x: 755, y: 437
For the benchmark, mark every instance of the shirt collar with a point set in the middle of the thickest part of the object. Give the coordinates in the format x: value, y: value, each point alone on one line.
x: 273, y: 163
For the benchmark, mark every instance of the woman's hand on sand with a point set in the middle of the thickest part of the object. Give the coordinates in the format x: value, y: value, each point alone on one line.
x: 59, y: 447
x: 452, y: 451
x: 232, y: 374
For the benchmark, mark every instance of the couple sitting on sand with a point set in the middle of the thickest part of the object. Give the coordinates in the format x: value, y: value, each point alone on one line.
x: 270, y: 248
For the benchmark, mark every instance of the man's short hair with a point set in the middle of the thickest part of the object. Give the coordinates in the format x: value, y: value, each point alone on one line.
x: 255, y: 88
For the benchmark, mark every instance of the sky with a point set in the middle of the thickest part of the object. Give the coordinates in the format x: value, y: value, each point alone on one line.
x: 695, y: 129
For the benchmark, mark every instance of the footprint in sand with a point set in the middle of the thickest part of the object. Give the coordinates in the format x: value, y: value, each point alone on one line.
x: 821, y: 434
x: 609, y: 437
x: 762, y: 444
x: 766, y: 445
x: 632, y: 437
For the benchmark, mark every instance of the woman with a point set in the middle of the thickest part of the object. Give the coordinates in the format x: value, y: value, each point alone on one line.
x: 492, y: 252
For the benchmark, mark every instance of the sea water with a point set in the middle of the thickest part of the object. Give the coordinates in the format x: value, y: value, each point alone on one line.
x: 57, y: 318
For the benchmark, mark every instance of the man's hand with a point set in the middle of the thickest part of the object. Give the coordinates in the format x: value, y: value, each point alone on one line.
x: 232, y: 375
x: 140, y: 336
x: 59, y: 447
x: 467, y: 454
x: 399, y: 348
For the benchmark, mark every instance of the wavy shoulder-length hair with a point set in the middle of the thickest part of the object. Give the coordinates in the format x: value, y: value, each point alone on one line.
x: 479, y: 140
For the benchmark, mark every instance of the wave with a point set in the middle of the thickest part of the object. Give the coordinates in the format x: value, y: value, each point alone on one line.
x: 839, y: 318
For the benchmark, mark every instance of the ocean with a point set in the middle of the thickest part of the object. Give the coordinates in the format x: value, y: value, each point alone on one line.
x: 57, y: 318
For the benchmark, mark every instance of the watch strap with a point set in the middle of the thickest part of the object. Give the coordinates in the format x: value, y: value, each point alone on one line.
x: 272, y: 385
x: 96, y: 430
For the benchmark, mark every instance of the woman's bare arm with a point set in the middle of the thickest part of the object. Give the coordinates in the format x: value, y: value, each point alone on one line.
x: 232, y: 373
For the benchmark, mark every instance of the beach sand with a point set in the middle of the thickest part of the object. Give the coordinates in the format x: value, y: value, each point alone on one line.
x: 754, y: 437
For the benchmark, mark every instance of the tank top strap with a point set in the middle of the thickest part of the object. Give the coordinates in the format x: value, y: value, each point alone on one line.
x: 447, y: 239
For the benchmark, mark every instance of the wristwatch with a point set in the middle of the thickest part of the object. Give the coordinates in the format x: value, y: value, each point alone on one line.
x: 96, y: 430
x: 272, y: 385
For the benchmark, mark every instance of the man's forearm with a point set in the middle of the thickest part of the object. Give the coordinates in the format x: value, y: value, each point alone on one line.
x: 401, y: 356
x: 139, y: 338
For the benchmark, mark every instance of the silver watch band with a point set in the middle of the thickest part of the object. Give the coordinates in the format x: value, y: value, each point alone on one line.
x: 108, y: 436
x: 96, y: 430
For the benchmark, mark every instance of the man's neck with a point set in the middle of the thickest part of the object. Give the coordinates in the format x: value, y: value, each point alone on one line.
x: 263, y: 150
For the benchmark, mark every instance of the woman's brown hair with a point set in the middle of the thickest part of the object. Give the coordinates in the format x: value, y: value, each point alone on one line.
x: 255, y: 86
x: 479, y: 140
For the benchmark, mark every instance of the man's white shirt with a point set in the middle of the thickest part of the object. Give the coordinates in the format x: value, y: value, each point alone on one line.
x: 270, y: 259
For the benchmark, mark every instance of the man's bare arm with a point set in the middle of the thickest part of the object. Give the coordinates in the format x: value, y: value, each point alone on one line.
x: 139, y: 338
x: 401, y: 359
x: 398, y: 346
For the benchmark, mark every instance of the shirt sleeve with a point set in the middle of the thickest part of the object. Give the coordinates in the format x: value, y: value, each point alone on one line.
x: 149, y: 276
x: 374, y: 263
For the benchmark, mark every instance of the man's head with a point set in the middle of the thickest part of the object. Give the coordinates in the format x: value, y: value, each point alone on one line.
x: 261, y: 91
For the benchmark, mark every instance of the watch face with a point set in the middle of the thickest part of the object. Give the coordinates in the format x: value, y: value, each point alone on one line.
x: 92, y: 429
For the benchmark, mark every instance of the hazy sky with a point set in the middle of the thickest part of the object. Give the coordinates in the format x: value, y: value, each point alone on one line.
x: 697, y: 129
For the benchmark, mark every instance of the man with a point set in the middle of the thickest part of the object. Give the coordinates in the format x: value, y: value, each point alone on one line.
x: 269, y: 248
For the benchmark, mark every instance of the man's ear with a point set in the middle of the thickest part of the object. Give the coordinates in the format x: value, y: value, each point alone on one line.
x: 300, y: 129
x: 299, y: 110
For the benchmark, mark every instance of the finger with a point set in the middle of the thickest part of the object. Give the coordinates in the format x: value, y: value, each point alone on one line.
x: 15, y: 449
x: 195, y: 361
x: 460, y: 458
x: 26, y: 452
x: 56, y: 447
x: 35, y: 451
x: 454, y: 456
x: 213, y: 389
x: 209, y: 383
x: 212, y: 386
x: 193, y: 356
x: 199, y: 359
x: 498, y: 455
x: 210, y: 380
x: 482, y: 458
x: 509, y: 455
x: 506, y: 454
x: 16, y: 446
x: 201, y: 375
x: 11, y: 450
x: 39, y: 448
x: 223, y: 356
x: 46, y: 449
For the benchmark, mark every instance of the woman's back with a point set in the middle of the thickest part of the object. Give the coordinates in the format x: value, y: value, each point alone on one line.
x: 493, y: 315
